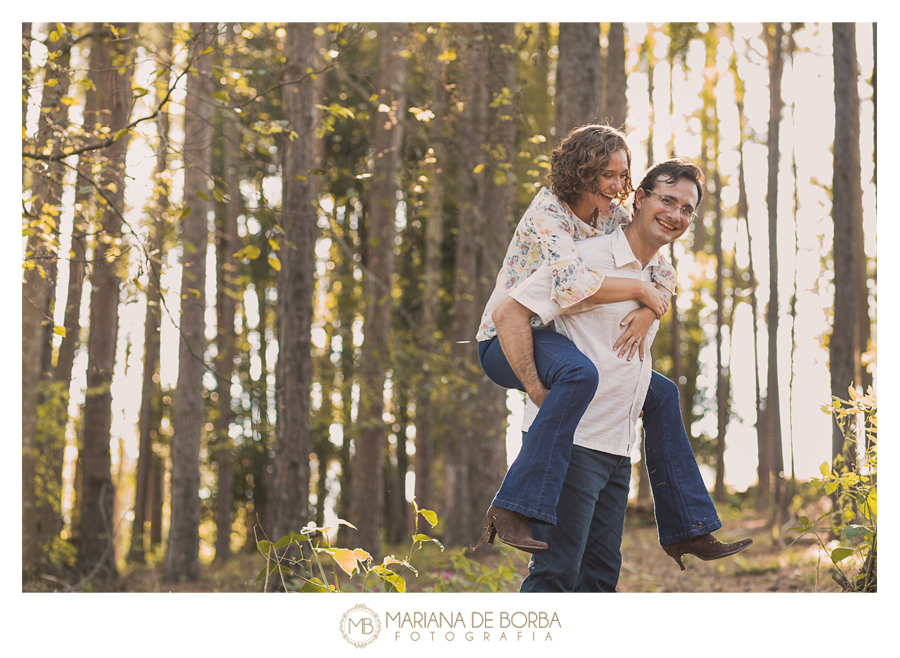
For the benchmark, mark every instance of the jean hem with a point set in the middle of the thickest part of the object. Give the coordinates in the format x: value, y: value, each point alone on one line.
x: 530, y: 512
x: 696, y: 532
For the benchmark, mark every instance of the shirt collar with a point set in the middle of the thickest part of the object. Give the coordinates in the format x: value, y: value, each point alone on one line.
x: 624, y: 255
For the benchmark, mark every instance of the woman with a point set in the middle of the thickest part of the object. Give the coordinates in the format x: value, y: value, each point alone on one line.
x: 590, y: 179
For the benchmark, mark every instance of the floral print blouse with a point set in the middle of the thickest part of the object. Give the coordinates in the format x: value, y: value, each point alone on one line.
x: 549, y: 231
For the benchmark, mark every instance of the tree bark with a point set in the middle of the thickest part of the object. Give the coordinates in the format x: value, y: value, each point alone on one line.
x: 459, y: 521
x: 98, y: 527
x: 847, y: 216
x: 188, y: 411
x: 227, y: 293
x: 488, y: 460
x: 578, y: 77
x: 288, y: 495
x: 367, y: 485
x: 614, y: 101
x: 773, y: 397
x: 42, y: 451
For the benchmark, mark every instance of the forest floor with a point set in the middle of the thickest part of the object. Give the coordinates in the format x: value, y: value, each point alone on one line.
x: 776, y: 562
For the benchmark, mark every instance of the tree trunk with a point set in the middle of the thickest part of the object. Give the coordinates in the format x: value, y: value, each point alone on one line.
x: 42, y: 451
x: 773, y: 404
x: 227, y: 293
x: 188, y: 411
x: 721, y: 371
x: 847, y: 216
x: 288, y: 494
x: 578, y: 77
x: 148, y: 420
x: 429, y: 345
x: 113, y: 89
x: 367, y: 492
x: 459, y: 521
x: 614, y: 102
x: 487, y: 456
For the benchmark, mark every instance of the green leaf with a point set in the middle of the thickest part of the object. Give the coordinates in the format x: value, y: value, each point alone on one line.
x: 841, y: 553
x: 262, y: 574
x: 185, y: 212
x: 851, y: 531
x: 870, y: 508
x: 203, y: 195
x: 824, y: 469
x: 315, y: 586
x: 140, y: 91
x: 263, y: 546
x: 221, y: 95
x: 284, y: 541
x: 430, y: 516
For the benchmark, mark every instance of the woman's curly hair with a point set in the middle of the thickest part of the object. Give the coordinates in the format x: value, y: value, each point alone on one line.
x: 577, y: 161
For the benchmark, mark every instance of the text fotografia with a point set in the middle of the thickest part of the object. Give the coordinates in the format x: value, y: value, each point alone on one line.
x: 479, y: 626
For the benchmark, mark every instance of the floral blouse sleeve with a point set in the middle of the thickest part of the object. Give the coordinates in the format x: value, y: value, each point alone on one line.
x: 555, y: 231
x: 664, y: 274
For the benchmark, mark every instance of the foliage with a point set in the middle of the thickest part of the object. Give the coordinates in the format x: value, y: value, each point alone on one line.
x: 311, y: 573
x: 854, y: 491
x: 473, y: 576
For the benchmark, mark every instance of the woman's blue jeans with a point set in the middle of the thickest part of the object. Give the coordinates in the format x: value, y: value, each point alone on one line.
x: 682, y: 505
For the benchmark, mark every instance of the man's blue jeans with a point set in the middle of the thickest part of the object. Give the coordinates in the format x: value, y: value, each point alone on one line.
x: 585, y: 545
x: 533, y: 483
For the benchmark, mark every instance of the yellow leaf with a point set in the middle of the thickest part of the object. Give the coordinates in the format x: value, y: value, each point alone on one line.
x: 274, y: 262
x: 60, y: 331
x: 346, y: 560
x: 478, y: 169
x: 361, y: 555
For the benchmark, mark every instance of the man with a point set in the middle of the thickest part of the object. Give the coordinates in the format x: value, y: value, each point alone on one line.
x: 584, y: 547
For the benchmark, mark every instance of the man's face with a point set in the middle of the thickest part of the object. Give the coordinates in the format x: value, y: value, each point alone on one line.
x: 664, y: 214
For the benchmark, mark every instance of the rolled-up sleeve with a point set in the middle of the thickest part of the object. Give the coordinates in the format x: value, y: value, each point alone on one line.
x: 570, y: 279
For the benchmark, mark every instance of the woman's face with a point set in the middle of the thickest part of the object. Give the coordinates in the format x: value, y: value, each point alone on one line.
x: 612, y: 180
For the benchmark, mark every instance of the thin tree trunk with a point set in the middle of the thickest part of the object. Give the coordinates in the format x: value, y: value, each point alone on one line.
x: 614, y: 102
x: 488, y: 461
x: 721, y: 378
x: 578, y: 77
x: 42, y: 452
x: 426, y: 404
x: 227, y: 293
x: 367, y: 493
x: 847, y: 216
x: 459, y: 522
x: 188, y: 411
x: 148, y: 421
x: 288, y: 495
x: 98, y: 527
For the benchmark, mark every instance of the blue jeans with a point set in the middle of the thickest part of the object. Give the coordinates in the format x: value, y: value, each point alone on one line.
x: 533, y: 483
x: 585, y: 546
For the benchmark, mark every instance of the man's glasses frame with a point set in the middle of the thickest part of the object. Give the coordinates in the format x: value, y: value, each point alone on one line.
x: 671, y: 204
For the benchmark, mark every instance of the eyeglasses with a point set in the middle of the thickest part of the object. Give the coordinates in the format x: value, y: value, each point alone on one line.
x: 670, y: 204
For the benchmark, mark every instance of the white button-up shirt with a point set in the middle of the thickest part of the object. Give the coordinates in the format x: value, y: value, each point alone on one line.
x: 609, y: 424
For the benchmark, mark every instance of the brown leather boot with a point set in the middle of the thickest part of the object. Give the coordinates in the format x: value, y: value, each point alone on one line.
x: 512, y: 529
x: 706, y: 547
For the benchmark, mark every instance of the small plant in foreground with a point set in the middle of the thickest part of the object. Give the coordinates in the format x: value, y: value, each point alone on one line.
x: 855, y: 493
x: 296, y: 555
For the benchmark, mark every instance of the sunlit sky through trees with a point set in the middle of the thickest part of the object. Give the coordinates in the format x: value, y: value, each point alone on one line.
x: 807, y: 132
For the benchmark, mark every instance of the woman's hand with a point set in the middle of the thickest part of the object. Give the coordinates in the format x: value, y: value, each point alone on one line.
x: 637, y: 325
x: 654, y: 298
